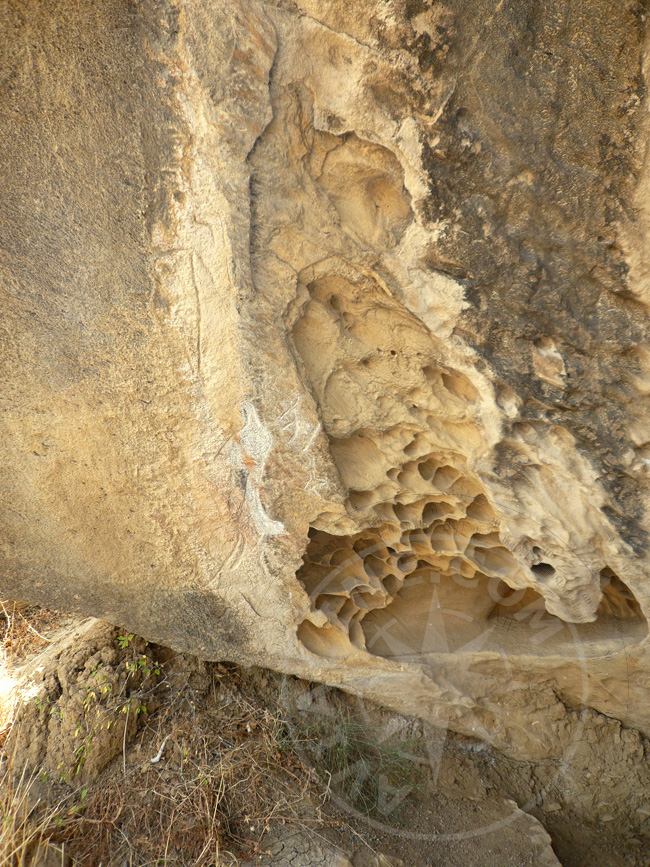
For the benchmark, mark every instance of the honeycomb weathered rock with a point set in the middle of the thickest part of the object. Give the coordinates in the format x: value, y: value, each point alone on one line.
x: 326, y: 342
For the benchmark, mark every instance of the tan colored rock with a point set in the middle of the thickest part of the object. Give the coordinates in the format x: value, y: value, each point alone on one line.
x: 324, y: 344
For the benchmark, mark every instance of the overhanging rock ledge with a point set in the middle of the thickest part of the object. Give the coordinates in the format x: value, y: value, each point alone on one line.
x: 325, y: 343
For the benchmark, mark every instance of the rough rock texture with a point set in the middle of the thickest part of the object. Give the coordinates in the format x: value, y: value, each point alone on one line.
x: 324, y: 342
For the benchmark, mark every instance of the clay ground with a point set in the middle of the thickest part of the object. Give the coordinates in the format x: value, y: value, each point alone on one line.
x: 131, y: 754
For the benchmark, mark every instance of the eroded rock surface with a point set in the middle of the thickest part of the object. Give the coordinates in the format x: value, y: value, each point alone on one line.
x: 325, y: 343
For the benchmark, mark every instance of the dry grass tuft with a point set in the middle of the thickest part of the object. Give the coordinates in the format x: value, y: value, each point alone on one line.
x: 23, y: 628
x: 225, y: 774
x: 25, y: 828
x: 224, y: 768
x: 209, y: 768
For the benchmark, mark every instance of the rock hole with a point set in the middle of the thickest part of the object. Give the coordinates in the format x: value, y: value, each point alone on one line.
x: 348, y: 610
x: 430, y: 373
x: 361, y: 499
x: 413, y: 449
x: 487, y: 540
x: 433, y: 512
x: 480, y: 510
x: 542, y: 570
x: 427, y: 469
x: 385, y: 512
x: 407, y: 563
x: 365, y: 600
x: 335, y: 303
x: 340, y: 557
x: 444, y: 477
x: 465, y: 489
x: 460, y: 387
x: 392, y: 584
x: 406, y: 513
x: 374, y: 567
x: 327, y: 641
x: 618, y: 600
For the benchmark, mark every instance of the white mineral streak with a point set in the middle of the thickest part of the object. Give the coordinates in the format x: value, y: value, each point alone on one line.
x: 256, y: 443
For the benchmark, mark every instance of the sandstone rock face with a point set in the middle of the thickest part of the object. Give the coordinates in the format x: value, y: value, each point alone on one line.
x: 325, y: 343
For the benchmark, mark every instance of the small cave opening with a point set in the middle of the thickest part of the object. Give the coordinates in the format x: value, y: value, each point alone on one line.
x: 436, y: 613
x: 542, y: 570
x: 618, y: 599
x: 442, y: 589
